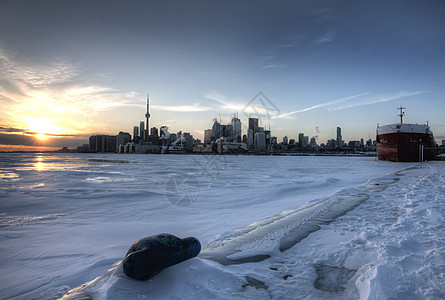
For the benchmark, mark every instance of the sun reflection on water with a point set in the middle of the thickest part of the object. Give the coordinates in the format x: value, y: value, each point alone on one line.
x: 7, y: 175
x: 39, y: 166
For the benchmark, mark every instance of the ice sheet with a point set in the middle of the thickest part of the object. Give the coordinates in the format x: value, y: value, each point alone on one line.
x: 67, y: 218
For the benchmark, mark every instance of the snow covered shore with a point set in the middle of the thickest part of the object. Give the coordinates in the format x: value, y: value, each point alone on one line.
x: 66, y: 219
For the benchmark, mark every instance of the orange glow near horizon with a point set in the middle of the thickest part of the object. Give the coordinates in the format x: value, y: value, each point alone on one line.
x: 12, y: 148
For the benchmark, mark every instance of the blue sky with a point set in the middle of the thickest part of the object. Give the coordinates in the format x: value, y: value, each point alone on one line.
x: 69, y: 69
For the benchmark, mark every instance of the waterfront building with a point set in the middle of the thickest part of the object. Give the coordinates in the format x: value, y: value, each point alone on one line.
x: 301, y: 140
x: 188, y: 140
x: 331, y: 143
x: 313, y: 142
x: 260, y: 141
x: 227, y: 132
x: 102, y: 143
x: 216, y: 131
x: 85, y: 148
x: 253, y: 124
x: 339, y: 138
x: 267, y: 136
x: 250, y: 138
x: 354, y: 144
x: 141, y: 129
x: 122, y: 139
x: 207, y: 136
x: 236, y: 129
x: 154, y: 131
x: 92, y: 143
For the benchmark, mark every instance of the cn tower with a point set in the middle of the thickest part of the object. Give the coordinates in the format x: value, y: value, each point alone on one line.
x: 147, y: 117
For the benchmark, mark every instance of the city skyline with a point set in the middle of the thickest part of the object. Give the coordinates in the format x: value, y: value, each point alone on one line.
x: 69, y: 70
x: 219, y: 139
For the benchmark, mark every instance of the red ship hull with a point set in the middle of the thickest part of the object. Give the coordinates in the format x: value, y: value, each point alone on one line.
x: 406, y: 147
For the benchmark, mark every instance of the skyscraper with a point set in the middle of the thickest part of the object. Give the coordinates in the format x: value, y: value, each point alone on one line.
x: 141, y: 129
x: 236, y: 129
x: 253, y: 124
x: 135, y: 132
x: 339, y: 138
x: 154, y: 131
x: 313, y: 142
x: 301, y: 140
x: 93, y: 143
x: 216, y: 130
x: 121, y: 139
x: 305, y: 141
x: 227, y: 131
x: 260, y: 141
x: 250, y: 138
x: 267, y: 136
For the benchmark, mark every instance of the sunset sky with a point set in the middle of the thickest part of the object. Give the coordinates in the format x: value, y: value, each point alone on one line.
x: 70, y: 69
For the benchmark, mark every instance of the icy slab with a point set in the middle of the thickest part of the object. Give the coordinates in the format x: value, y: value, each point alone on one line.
x: 260, y: 240
x: 257, y: 242
x: 80, y: 293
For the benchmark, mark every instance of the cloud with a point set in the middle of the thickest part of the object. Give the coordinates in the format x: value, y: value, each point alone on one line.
x: 221, y: 102
x: 10, y: 129
x: 270, y: 66
x: 32, y: 140
x: 380, y: 98
x: 265, y: 62
x: 329, y: 103
x: 59, y: 92
x: 325, y: 38
x: 24, y: 131
x: 196, y: 107
x: 359, y: 100
x: 34, y: 76
x: 259, y: 106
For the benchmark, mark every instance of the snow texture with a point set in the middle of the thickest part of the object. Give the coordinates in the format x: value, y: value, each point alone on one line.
x: 271, y: 227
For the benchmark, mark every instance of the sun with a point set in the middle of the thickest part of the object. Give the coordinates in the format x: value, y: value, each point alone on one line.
x: 41, y: 136
x: 41, y: 126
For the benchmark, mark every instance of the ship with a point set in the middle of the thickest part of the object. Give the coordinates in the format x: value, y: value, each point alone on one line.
x: 405, y: 142
x: 174, y: 149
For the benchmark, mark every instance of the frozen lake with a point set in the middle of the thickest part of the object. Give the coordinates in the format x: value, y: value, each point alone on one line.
x: 67, y: 218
